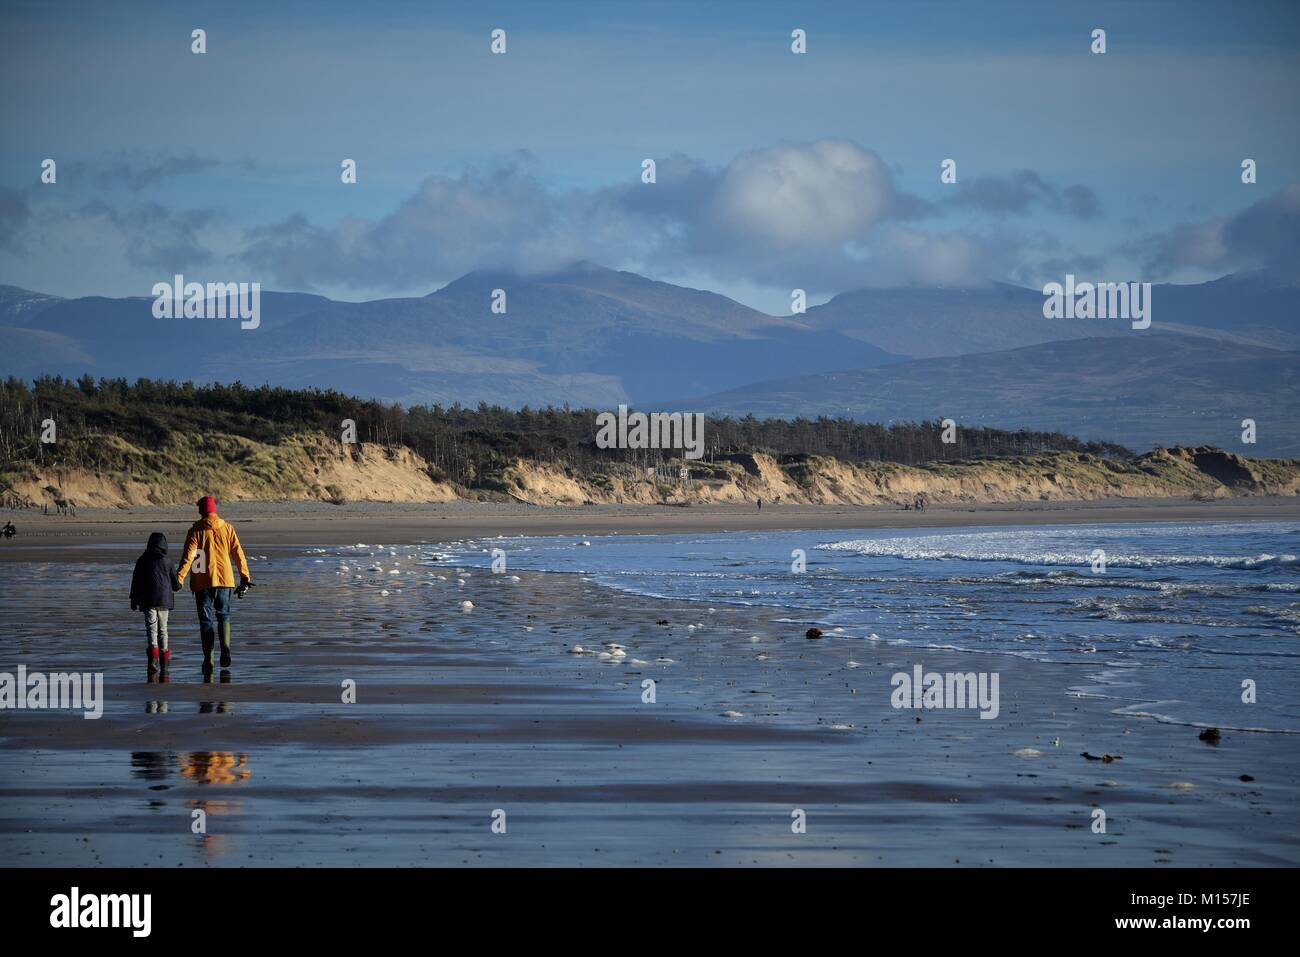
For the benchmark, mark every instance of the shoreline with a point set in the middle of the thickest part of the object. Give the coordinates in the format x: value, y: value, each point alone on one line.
x: 287, y: 524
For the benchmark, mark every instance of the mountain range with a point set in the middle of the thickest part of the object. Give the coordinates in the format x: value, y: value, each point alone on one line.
x: 1217, y: 352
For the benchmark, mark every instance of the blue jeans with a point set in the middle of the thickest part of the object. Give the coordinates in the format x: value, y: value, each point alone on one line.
x: 214, y: 607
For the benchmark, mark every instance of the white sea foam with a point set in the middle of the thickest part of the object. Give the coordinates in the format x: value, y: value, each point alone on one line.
x: 978, y: 549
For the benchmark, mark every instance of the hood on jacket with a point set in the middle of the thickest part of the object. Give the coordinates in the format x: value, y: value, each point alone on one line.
x: 157, y: 543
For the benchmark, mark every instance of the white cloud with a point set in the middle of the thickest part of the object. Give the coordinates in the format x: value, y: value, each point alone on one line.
x: 801, y: 196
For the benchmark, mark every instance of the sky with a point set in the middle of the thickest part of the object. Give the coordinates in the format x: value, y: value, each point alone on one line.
x: 774, y: 170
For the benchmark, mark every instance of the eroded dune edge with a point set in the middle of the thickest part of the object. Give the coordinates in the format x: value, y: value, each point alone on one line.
x: 315, y: 467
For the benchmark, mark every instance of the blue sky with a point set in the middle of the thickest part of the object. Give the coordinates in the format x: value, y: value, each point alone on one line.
x: 776, y: 170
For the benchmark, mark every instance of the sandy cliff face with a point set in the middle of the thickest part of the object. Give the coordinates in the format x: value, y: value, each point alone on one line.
x: 320, y: 468
x: 237, y: 469
x: 824, y: 481
x: 373, y: 473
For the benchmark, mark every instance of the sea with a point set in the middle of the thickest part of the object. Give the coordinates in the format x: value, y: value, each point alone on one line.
x: 1193, y: 624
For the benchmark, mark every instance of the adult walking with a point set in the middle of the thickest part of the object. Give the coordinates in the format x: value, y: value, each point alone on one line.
x: 211, y: 557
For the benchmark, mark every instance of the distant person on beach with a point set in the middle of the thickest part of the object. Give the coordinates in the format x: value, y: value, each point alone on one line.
x: 152, y: 585
x: 210, y: 548
x: 760, y: 505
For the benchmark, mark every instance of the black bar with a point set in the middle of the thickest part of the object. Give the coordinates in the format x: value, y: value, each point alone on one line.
x: 332, y: 906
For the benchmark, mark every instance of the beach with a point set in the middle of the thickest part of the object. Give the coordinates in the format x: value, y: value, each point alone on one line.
x: 531, y: 710
x: 316, y: 523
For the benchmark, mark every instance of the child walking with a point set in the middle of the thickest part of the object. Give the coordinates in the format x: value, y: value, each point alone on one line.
x: 152, y: 585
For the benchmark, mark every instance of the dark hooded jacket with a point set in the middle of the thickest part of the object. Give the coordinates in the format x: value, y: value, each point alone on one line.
x: 154, y: 579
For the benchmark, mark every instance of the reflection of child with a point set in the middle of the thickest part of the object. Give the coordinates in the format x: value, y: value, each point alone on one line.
x: 152, y: 585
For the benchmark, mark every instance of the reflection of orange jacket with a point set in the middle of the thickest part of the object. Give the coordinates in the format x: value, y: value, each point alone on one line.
x: 215, y: 767
x: 216, y: 539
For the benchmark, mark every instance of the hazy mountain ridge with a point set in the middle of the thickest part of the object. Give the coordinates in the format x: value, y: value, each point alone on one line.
x: 1257, y: 307
x: 586, y: 335
x: 1137, y: 391
x: 590, y: 336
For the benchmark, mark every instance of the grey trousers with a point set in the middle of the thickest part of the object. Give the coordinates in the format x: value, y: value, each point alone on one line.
x: 155, y: 627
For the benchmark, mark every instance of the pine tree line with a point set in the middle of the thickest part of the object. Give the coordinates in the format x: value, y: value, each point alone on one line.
x: 462, y: 444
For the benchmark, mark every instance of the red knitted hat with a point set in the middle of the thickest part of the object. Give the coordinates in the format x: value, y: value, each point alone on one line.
x: 207, y: 505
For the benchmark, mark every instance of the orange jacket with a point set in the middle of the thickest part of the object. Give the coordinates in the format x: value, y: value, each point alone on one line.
x: 215, y: 538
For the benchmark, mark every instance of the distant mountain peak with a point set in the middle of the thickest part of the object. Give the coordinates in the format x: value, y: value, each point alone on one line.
x: 582, y: 269
x: 1265, y: 277
x: 18, y: 292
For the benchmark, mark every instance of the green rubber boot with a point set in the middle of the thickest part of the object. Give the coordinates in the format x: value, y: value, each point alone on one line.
x: 224, y: 626
x: 209, y: 651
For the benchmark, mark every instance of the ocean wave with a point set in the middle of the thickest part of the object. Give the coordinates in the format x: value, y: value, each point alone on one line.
x: 985, y: 550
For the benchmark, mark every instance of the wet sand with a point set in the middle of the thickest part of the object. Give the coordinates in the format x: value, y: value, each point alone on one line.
x: 459, y: 715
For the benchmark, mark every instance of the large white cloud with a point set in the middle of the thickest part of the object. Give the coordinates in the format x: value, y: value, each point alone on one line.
x: 800, y: 196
